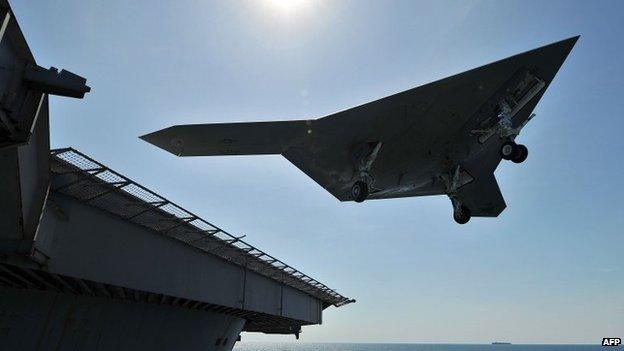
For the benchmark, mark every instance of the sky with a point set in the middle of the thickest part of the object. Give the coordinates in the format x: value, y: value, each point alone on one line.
x: 548, y: 270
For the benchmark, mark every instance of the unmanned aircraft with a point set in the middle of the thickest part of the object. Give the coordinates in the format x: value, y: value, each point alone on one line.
x: 442, y: 138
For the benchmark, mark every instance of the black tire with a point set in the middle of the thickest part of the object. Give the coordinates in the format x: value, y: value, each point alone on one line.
x: 359, y: 191
x: 508, y: 150
x: 463, y: 217
x: 521, y: 154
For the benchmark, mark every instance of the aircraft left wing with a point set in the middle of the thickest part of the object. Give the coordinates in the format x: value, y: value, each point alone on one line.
x: 250, y: 138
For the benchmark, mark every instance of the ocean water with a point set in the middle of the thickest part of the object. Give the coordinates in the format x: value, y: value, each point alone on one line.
x: 251, y: 346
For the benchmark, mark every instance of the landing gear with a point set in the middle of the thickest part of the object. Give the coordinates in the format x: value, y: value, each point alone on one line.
x: 522, y: 155
x: 507, y: 150
x: 366, y: 155
x: 506, y: 131
x: 461, y: 215
x: 359, y: 191
x: 516, y: 153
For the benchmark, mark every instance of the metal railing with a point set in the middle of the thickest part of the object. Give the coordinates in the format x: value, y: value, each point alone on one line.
x: 82, y: 177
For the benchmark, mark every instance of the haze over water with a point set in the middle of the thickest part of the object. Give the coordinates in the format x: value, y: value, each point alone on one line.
x: 410, y: 347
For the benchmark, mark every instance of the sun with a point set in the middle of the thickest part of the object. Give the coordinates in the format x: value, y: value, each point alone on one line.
x: 287, y: 6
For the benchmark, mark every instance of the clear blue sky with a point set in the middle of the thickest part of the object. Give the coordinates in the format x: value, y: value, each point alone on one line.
x: 549, y: 269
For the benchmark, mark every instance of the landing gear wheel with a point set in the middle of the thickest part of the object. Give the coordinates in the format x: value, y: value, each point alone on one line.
x: 516, y: 153
x: 462, y: 216
x: 359, y: 191
x: 508, y: 150
x: 520, y: 154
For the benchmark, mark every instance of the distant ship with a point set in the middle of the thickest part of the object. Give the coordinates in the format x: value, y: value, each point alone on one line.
x: 501, y: 343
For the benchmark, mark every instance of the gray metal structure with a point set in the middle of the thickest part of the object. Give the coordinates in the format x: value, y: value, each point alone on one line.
x: 91, y: 260
x: 87, y: 180
x: 442, y: 138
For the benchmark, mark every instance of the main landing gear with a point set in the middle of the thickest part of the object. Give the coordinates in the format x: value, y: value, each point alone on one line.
x: 359, y: 191
x: 511, y: 151
x: 516, y: 153
x: 361, y: 188
x: 461, y: 213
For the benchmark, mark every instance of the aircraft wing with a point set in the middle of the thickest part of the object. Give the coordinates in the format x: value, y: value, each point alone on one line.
x: 251, y: 138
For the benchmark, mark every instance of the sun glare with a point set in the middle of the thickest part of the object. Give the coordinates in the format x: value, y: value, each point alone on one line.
x: 287, y: 6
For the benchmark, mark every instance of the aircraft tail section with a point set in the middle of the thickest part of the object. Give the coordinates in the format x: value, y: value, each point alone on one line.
x: 252, y: 138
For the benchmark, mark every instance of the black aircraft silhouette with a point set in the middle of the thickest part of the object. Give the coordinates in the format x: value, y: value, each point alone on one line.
x: 442, y: 138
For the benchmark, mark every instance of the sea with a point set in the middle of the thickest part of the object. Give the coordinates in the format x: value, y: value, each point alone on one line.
x: 265, y: 346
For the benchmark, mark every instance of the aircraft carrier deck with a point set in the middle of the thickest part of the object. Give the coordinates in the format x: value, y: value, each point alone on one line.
x: 91, y: 260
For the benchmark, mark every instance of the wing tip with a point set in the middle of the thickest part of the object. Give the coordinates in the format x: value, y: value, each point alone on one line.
x: 569, y: 43
x: 159, y: 139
